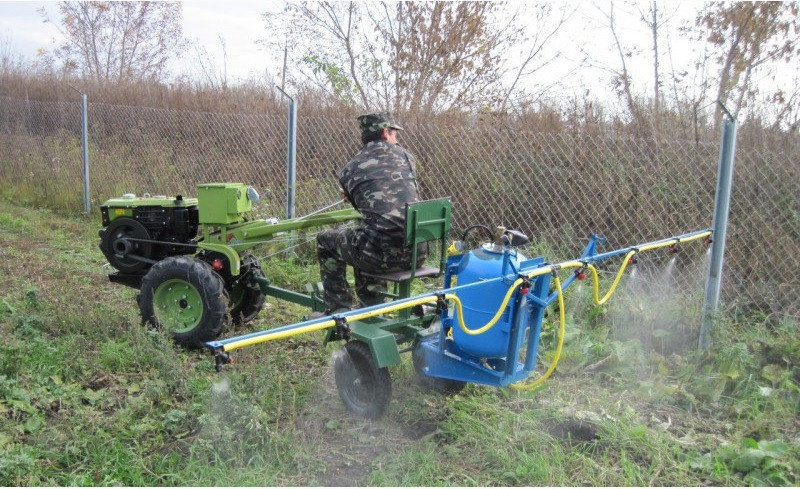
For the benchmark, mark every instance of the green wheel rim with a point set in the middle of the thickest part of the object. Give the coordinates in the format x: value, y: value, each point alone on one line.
x: 178, y: 305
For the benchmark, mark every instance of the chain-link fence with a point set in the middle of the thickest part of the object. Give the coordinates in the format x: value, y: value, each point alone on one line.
x: 556, y: 187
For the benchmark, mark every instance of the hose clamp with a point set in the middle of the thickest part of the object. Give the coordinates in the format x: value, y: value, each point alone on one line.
x: 580, y: 273
x: 441, y: 303
x: 554, y: 269
x: 342, y: 329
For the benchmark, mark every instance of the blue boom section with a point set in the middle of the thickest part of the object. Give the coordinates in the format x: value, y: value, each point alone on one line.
x: 504, y: 354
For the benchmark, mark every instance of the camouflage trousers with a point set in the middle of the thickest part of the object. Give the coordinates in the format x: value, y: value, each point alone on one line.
x: 365, y: 252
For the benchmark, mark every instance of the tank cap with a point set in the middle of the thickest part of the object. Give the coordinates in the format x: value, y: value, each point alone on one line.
x: 516, y: 238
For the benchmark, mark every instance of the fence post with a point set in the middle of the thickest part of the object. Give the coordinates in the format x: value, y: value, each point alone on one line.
x: 291, y: 163
x: 85, y: 143
x: 720, y: 226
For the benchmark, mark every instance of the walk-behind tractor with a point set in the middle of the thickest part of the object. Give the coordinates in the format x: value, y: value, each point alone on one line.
x: 190, y: 259
x: 482, y: 326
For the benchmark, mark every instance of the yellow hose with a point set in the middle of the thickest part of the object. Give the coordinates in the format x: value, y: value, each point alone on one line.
x: 492, y: 321
x: 561, y: 328
x: 596, y: 280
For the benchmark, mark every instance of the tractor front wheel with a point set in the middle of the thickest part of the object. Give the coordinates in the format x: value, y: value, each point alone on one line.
x: 186, y: 298
x: 365, y: 389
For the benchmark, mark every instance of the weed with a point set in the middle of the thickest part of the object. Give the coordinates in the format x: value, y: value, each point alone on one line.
x: 759, y: 463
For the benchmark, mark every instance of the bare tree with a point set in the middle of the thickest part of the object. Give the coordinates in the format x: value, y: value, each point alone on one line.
x: 443, y: 54
x: 11, y: 62
x: 536, y: 46
x: 118, y: 41
x: 747, y: 37
x: 208, y: 69
x: 622, y: 79
x: 787, y: 104
x: 654, y: 23
x: 426, y: 56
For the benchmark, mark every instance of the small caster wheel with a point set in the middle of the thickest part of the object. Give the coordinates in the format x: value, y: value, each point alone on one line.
x: 365, y: 389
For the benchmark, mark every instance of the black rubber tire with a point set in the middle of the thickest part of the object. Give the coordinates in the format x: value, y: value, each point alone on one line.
x: 253, y: 298
x: 447, y: 387
x: 365, y: 390
x: 111, y: 237
x: 208, y: 284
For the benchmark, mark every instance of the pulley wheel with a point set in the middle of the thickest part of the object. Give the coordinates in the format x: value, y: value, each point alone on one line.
x: 120, y: 250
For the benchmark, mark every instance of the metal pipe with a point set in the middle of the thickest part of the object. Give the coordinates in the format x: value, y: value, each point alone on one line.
x: 291, y: 158
x: 85, y: 143
x: 720, y: 226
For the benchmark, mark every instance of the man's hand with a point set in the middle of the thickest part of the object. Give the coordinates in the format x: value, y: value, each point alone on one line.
x: 344, y: 195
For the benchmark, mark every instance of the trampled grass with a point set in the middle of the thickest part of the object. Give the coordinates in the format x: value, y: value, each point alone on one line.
x: 88, y: 396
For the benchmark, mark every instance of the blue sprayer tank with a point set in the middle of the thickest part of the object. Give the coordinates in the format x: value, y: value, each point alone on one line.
x: 480, y: 303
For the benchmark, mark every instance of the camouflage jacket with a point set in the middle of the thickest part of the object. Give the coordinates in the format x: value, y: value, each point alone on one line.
x: 379, y: 181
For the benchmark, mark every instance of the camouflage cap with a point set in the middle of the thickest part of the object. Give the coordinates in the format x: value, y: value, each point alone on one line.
x: 377, y: 122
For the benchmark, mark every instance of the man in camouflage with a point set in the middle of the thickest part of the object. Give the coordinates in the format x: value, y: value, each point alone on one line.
x: 378, y: 182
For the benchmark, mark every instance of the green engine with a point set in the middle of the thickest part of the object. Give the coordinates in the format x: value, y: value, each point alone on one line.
x: 139, y: 231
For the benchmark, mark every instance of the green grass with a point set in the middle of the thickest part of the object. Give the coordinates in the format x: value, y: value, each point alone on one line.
x: 90, y: 397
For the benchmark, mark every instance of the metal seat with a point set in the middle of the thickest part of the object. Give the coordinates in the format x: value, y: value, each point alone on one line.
x: 427, y: 220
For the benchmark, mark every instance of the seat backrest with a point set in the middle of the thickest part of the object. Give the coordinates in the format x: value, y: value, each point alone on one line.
x: 428, y: 220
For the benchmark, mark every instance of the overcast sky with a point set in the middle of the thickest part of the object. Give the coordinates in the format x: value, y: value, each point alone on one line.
x: 204, y: 21
x: 239, y: 23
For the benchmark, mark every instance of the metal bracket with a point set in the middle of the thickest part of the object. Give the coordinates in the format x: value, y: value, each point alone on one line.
x: 341, y: 329
x: 220, y: 359
x: 441, y: 303
x: 525, y: 286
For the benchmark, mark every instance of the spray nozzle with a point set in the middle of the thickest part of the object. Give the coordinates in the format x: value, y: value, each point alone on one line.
x: 221, y: 358
x: 580, y: 273
x: 342, y: 329
x: 633, y: 260
x: 708, y: 240
x: 525, y: 286
x: 674, y: 248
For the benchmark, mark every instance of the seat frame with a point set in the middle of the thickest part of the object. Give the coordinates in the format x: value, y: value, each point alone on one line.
x: 426, y: 220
